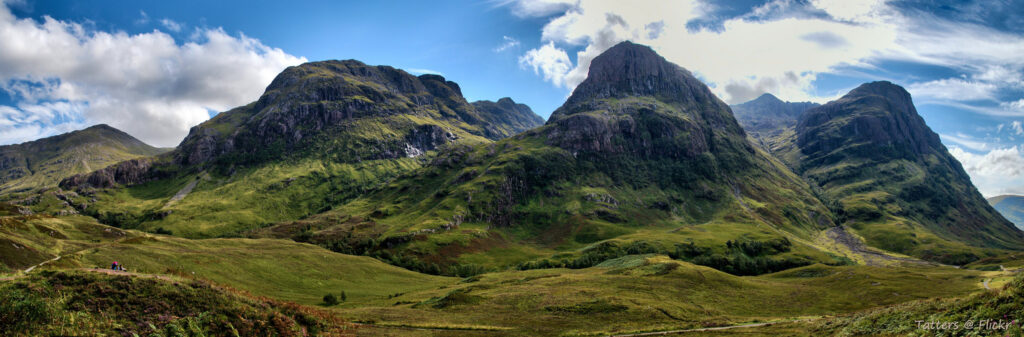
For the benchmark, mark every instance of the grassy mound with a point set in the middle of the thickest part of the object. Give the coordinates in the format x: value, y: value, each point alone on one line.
x: 991, y: 313
x: 76, y: 303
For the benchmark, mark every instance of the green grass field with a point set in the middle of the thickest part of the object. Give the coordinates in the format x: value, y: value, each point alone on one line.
x: 629, y: 294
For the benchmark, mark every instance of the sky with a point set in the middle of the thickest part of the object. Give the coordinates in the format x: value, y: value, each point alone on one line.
x: 155, y: 69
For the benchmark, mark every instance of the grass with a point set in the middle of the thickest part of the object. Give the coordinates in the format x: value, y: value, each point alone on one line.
x: 78, y: 303
x: 641, y: 293
x: 281, y: 269
x: 628, y: 294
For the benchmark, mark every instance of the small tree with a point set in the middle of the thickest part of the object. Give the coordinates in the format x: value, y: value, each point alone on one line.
x: 343, y: 297
x: 330, y: 299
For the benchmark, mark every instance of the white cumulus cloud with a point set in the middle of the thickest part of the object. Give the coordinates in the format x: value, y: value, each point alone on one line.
x: 146, y: 84
x: 999, y: 171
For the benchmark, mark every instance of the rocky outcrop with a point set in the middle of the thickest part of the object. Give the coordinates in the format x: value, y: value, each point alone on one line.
x: 636, y: 102
x: 319, y: 101
x: 129, y: 172
x: 878, y: 119
x: 631, y: 70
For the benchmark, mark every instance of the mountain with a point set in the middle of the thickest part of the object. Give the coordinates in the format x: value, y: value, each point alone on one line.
x: 506, y: 113
x: 892, y: 180
x: 641, y: 155
x: 43, y: 163
x: 769, y: 120
x: 768, y: 115
x: 1011, y: 207
x: 321, y: 134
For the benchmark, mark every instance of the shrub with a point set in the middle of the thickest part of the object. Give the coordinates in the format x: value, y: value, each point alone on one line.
x: 330, y: 299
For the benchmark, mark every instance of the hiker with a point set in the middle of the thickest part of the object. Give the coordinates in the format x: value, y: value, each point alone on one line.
x: 113, y: 265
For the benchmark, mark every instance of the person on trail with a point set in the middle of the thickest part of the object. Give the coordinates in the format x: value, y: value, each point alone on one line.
x: 114, y: 265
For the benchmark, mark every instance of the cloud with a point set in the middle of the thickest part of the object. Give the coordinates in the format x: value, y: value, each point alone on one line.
x: 143, y: 18
x: 171, y: 25
x: 996, y: 172
x: 145, y: 84
x: 955, y: 89
x: 551, y: 62
x: 537, y: 8
x: 420, y: 71
x: 1017, y: 128
x: 966, y: 141
x: 509, y: 42
x: 782, y: 46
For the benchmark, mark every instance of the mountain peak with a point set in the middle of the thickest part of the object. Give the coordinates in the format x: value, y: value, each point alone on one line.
x: 633, y: 70
x: 885, y: 89
x: 767, y: 98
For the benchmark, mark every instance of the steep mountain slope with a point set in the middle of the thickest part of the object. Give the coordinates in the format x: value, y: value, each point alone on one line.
x: 642, y: 153
x: 43, y: 163
x: 506, y: 113
x: 1011, y: 207
x: 322, y: 133
x: 767, y: 116
x: 892, y: 179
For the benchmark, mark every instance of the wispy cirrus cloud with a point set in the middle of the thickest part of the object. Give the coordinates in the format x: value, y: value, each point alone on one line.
x: 507, y: 43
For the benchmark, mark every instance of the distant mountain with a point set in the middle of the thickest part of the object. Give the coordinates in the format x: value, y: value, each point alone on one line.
x: 642, y: 155
x: 892, y: 179
x: 1011, y: 207
x: 507, y: 114
x: 43, y: 163
x: 321, y: 134
x: 767, y: 116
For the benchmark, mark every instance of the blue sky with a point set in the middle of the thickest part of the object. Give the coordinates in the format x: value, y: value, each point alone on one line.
x: 154, y: 69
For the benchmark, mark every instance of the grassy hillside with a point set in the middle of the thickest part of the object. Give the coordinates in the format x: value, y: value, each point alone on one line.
x: 43, y: 163
x: 282, y: 269
x: 626, y: 293
x: 991, y: 313
x: 81, y: 303
x: 654, y: 293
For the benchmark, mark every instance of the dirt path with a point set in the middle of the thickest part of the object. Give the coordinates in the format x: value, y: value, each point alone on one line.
x: 29, y: 269
x: 40, y: 264
x: 673, y: 332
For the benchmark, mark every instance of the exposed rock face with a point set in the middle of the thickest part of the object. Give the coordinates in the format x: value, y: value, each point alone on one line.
x: 337, y: 100
x: 514, y: 116
x: 875, y: 155
x: 305, y: 101
x: 129, y: 172
x: 878, y: 119
x: 634, y: 101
